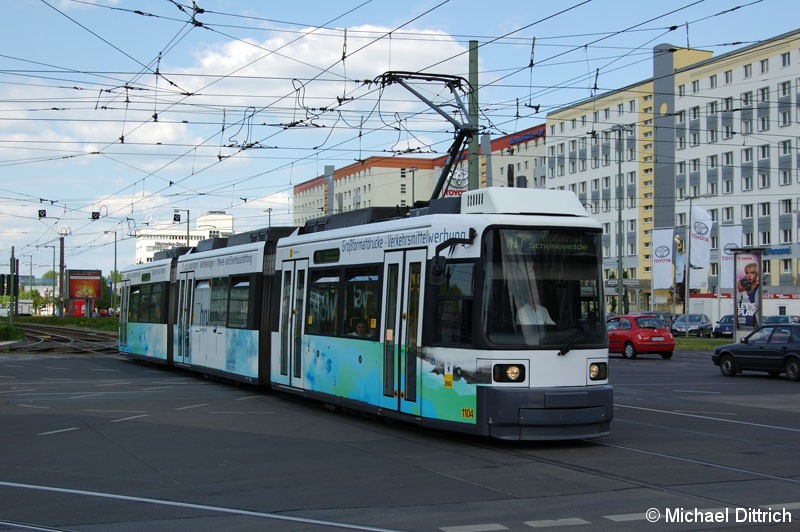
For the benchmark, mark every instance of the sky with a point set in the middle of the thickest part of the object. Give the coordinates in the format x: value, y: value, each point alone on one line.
x: 133, y: 108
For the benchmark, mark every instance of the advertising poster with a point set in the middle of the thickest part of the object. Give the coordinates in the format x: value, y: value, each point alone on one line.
x: 747, y: 291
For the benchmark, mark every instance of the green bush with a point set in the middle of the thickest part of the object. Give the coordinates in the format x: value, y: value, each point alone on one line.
x: 102, y: 324
x: 9, y: 332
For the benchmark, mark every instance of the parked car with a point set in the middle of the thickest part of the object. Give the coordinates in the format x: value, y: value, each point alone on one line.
x: 639, y: 333
x: 697, y: 325
x: 777, y: 319
x: 771, y: 348
x: 724, y: 326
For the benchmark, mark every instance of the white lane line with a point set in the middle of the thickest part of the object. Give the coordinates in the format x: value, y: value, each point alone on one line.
x: 21, y: 390
x: 790, y: 429
x: 232, y: 412
x: 57, y: 431
x: 129, y: 418
x: 106, y: 411
x: 557, y: 522
x: 473, y: 528
x: 55, y: 367
x: 123, y: 383
x: 191, y: 406
x: 84, y: 396
x: 219, y: 509
x: 247, y: 398
x: 783, y: 505
x: 35, y: 406
x: 104, y: 369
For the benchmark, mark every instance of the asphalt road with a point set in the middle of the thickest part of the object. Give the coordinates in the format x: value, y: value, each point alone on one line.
x: 97, y: 443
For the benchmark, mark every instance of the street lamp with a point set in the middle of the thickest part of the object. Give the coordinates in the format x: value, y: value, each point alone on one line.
x: 620, y: 205
x: 177, y: 218
x: 53, y: 293
x: 269, y: 216
x: 413, y: 171
x: 113, y: 273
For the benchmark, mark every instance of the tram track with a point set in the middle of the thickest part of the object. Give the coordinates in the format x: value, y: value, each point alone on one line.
x: 51, y: 339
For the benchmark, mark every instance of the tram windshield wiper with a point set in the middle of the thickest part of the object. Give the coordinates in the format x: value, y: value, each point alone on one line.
x: 569, y: 345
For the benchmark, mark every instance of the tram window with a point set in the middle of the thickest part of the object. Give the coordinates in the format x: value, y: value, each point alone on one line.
x: 134, y: 302
x: 147, y: 304
x: 240, y: 298
x: 361, y: 293
x: 202, y: 301
x: 219, y: 301
x: 323, y: 303
x: 454, y: 305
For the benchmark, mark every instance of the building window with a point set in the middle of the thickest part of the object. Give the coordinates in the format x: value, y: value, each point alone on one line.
x: 748, y: 70
x: 747, y: 182
x: 763, y: 94
x: 727, y: 214
x: 728, y: 77
x: 785, y: 59
x: 681, y: 90
x: 764, y: 64
x: 763, y: 209
x: 763, y: 180
x: 712, y: 81
x: 747, y: 211
x: 695, y: 86
x: 786, y: 236
x: 764, y: 239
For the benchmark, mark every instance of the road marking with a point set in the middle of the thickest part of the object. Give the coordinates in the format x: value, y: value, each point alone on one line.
x: 129, y: 418
x: 218, y: 509
x: 114, y: 411
x: 84, y: 396
x: 473, y: 528
x: 620, y: 518
x: 557, y: 522
x: 57, y: 431
x: 105, y: 369
x: 192, y: 406
x: 247, y: 398
x: 35, y: 406
x: 21, y: 390
x: 710, y: 418
x: 231, y: 412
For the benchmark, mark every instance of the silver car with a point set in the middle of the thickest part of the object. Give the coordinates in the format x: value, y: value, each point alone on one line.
x: 697, y: 325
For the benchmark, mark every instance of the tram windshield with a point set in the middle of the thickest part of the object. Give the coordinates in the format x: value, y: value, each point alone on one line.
x: 543, y: 288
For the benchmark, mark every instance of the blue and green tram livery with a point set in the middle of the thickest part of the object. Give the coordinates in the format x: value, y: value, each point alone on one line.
x: 480, y: 314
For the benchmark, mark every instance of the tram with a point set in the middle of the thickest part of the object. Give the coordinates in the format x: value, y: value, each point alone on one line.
x: 480, y: 314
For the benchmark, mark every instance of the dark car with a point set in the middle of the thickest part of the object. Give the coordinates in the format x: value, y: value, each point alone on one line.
x: 771, y: 348
x: 697, y: 325
x: 724, y: 326
x: 777, y: 319
x: 639, y: 333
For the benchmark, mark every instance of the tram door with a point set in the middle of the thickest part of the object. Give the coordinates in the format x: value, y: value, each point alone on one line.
x: 293, y: 293
x: 183, y: 351
x: 404, y: 279
x: 124, y: 306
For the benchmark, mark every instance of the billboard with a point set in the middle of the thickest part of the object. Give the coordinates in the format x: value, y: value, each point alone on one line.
x: 747, y: 290
x: 84, y: 284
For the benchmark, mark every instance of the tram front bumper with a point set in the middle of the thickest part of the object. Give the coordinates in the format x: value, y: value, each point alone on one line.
x: 548, y: 414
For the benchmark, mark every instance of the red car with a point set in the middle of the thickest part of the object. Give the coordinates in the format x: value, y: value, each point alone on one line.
x: 639, y: 333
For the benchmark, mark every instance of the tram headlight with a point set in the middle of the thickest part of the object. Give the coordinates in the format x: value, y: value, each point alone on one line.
x: 509, y: 373
x: 598, y: 371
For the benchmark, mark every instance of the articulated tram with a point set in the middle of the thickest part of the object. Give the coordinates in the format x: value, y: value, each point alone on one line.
x: 481, y: 314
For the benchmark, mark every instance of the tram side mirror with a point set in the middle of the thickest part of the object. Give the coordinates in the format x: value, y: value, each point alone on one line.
x: 438, y: 266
